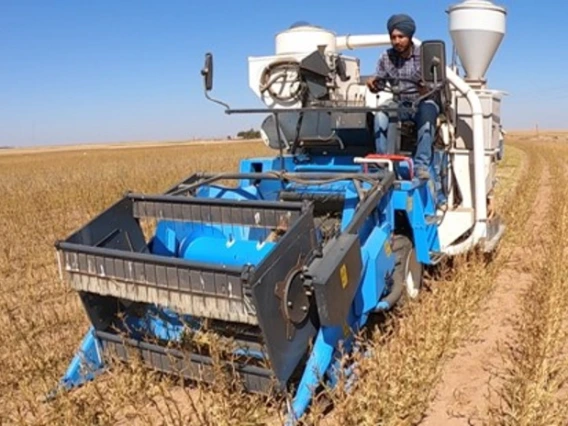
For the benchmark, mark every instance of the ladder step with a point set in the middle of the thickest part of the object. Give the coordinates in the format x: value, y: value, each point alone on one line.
x: 436, y: 257
x: 433, y: 219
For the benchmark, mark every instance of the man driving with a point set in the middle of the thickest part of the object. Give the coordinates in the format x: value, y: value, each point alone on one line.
x: 400, y: 65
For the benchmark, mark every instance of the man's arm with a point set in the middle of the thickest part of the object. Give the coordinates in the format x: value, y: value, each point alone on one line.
x: 421, y: 86
x: 417, y: 74
x: 381, y: 70
x: 377, y: 82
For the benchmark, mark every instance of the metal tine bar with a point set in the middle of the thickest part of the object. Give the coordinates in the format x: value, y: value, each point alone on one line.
x: 211, y: 201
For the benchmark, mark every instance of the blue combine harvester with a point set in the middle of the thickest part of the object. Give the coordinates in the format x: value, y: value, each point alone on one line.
x: 292, y: 255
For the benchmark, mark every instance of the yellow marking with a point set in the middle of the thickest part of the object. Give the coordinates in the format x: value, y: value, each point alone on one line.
x: 343, y: 275
x: 346, y: 330
x: 409, y: 204
x: 388, y: 248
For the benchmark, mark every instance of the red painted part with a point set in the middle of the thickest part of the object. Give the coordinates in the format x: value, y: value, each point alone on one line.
x: 392, y: 157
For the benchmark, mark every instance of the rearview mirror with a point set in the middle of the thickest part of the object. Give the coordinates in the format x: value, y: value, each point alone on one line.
x: 207, y: 72
x: 433, y: 61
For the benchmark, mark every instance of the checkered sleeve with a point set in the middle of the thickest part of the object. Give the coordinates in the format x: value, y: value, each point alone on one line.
x: 381, y: 70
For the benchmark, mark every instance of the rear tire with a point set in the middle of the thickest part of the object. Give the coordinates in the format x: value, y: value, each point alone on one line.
x: 408, y: 268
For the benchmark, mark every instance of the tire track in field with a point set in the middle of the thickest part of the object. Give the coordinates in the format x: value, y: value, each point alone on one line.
x: 533, y: 380
x: 461, y: 397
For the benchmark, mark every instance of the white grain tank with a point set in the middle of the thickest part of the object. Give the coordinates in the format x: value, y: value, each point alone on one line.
x: 477, y: 28
x: 304, y: 38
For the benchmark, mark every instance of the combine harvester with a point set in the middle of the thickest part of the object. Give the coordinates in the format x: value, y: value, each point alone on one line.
x: 303, y: 248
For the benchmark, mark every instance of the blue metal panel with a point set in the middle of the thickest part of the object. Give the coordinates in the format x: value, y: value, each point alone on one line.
x: 319, y: 364
x: 165, y: 242
x: 339, y: 187
x: 299, y: 163
x: 417, y: 201
x: 159, y: 323
x: 172, y: 237
x: 386, y: 209
x: 245, y: 192
x: 351, y: 201
x: 164, y: 324
x: 86, y: 364
x: 328, y: 168
x: 226, y: 252
x: 379, y: 262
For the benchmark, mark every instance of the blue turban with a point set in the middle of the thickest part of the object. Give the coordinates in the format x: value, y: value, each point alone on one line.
x: 404, y: 23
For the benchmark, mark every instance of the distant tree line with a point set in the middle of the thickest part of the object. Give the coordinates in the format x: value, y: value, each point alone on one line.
x: 249, y: 134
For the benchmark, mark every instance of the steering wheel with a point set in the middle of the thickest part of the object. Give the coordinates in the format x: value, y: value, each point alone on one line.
x: 393, y: 88
x: 428, y: 91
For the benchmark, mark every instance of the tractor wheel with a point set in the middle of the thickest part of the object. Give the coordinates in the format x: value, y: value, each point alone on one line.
x: 408, y: 268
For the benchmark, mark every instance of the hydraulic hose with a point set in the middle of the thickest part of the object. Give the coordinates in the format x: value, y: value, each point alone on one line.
x: 278, y: 71
x: 393, y: 297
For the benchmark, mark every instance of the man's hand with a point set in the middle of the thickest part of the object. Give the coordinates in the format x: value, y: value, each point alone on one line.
x: 422, y: 88
x: 373, y: 85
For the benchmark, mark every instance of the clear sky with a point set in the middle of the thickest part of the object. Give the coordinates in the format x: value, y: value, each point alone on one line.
x: 75, y: 71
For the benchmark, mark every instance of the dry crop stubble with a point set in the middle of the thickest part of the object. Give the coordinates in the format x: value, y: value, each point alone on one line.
x: 41, y: 321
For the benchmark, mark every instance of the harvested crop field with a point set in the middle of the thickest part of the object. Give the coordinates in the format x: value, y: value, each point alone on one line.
x: 485, y: 344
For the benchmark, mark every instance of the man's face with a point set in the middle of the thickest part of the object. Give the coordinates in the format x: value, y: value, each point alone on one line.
x: 399, y: 41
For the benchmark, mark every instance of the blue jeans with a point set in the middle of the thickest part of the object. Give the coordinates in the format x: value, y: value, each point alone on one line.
x: 425, y: 120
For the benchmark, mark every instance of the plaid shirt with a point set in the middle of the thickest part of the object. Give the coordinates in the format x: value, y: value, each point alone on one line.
x: 393, y: 66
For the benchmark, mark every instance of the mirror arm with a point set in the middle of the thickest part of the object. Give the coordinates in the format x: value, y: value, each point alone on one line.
x: 435, y: 63
x: 227, y: 107
x: 435, y: 72
x: 208, y: 80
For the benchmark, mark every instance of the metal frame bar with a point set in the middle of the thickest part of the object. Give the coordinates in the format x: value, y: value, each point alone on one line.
x: 144, y: 257
x: 370, y: 203
x: 178, y: 354
x: 195, y: 181
x: 316, y: 109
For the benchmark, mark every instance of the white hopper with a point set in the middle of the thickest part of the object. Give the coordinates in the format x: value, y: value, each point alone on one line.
x: 477, y: 28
